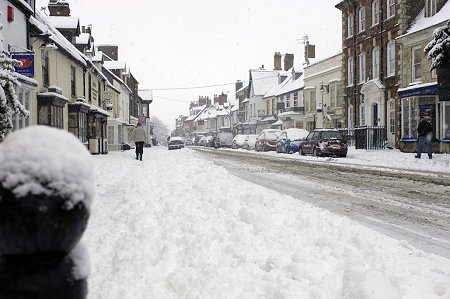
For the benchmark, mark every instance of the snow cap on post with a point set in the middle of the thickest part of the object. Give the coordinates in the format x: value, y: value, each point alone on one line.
x: 41, y: 160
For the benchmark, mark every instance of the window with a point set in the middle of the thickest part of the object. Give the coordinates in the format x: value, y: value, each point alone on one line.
x: 73, y: 81
x: 362, y: 67
x: 409, y: 125
x: 362, y: 115
x: 340, y: 95
x: 287, y: 100
x: 296, y: 99
x: 430, y: 8
x: 268, y: 106
x: 362, y: 19
x: 24, y: 97
x: 333, y: 99
x: 433, y: 71
x: 376, y: 63
x: 350, y: 21
x: 350, y: 116
x: 391, y: 117
x: 390, y: 9
x: 416, y: 63
x: 89, y: 88
x: 78, y: 121
x: 313, y: 100
x: 50, y: 112
x: 350, y: 71
x: 447, y: 121
x: 45, y: 77
x: 391, y: 58
x: 375, y: 12
x: 307, y: 103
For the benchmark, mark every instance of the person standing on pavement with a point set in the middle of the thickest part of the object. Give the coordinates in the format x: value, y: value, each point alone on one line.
x: 140, y: 137
x: 425, y: 134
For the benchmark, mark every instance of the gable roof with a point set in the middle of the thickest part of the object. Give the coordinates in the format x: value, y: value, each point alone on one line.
x: 262, y: 80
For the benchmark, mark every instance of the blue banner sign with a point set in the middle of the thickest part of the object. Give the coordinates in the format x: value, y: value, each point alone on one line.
x: 27, y: 68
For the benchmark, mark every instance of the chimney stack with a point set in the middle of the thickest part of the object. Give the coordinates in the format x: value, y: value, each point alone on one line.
x: 59, y: 8
x: 288, y: 61
x: 111, y: 51
x: 277, y: 61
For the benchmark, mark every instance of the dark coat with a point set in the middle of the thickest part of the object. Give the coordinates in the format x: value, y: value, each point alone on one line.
x: 424, y: 128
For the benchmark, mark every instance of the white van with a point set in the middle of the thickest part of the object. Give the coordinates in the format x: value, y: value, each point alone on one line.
x: 224, y: 139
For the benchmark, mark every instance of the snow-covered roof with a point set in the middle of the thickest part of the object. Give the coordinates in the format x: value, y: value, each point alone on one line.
x: 26, y: 5
x: 274, y: 90
x: 115, y: 65
x: 62, y: 22
x: 263, y: 80
x: 421, y: 22
x: 40, y: 22
x: 53, y: 94
x: 292, y: 85
x: 242, y: 88
x: 83, y: 39
x: 416, y: 86
x: 246, y: 100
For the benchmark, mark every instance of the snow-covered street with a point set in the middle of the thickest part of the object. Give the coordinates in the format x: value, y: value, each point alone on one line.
x: 178, y: 226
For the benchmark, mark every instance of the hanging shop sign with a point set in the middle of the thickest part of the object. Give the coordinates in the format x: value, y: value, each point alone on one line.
x: 27, y: 68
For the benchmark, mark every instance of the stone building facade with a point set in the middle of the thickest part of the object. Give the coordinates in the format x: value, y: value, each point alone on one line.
x: 370, y: 61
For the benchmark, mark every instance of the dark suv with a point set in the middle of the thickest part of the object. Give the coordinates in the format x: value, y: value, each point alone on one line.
x: 322, y: 142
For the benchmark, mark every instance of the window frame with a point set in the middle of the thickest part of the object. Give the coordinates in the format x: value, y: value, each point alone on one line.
x: 390, y: 9
x: 73, y: 81
x: 362, y: 67
x: 45, y: 68
x: 390, y: 56
x: 361, y: 19
x: 350, y: 71
x: 375, y: 12
x: 350, y: 25
x: 376, y: 63
x: 416, y: 67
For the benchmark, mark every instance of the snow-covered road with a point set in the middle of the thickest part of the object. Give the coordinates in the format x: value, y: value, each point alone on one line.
x: 178, y: 226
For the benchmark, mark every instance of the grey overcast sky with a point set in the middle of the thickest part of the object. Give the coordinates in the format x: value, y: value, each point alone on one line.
x: 188, y: 43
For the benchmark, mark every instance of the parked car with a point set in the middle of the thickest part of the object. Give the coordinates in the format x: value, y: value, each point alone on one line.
x: 322, y: 142
x: 267, y: 140
x: 290, y: 139
x: 210, y: 140
x: 223, y: 139
x: 202, y: 141
x: 175, y: 143
x: 238, y: 141
x: 188, y: 142
x: 249, y: 142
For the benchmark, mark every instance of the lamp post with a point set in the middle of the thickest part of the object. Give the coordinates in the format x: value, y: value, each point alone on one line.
x: 323, y: 89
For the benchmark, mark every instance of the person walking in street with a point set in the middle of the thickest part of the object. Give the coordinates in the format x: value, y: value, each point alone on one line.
x: 140, y: 137
x: 425, y: 134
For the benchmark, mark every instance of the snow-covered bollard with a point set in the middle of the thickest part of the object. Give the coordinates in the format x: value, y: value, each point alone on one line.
x: 46, y: 188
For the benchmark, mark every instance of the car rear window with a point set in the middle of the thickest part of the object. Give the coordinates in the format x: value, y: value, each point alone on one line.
x: 331, y: 135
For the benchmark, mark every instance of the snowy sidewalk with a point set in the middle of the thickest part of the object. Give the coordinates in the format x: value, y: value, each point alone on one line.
x: 392, y: 159
x: 176, y: 226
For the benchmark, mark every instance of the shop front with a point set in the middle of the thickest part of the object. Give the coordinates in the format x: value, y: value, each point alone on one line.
x: 419, y: 101
x: 97, y: 134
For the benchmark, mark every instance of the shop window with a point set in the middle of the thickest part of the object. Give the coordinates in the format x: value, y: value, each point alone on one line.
x: 78, y: 121
x: 24, y: 96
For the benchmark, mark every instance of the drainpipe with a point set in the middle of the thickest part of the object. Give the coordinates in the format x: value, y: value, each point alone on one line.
x: 355, y: 87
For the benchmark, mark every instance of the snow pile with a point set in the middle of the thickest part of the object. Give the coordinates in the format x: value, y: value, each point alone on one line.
x: 43, y: 160
x: 175, y: 226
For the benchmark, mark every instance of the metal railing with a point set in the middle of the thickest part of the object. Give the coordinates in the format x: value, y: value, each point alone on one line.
x: 367, y: 137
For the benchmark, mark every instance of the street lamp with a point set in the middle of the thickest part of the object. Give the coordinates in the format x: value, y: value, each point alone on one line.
x: 323, y: 89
